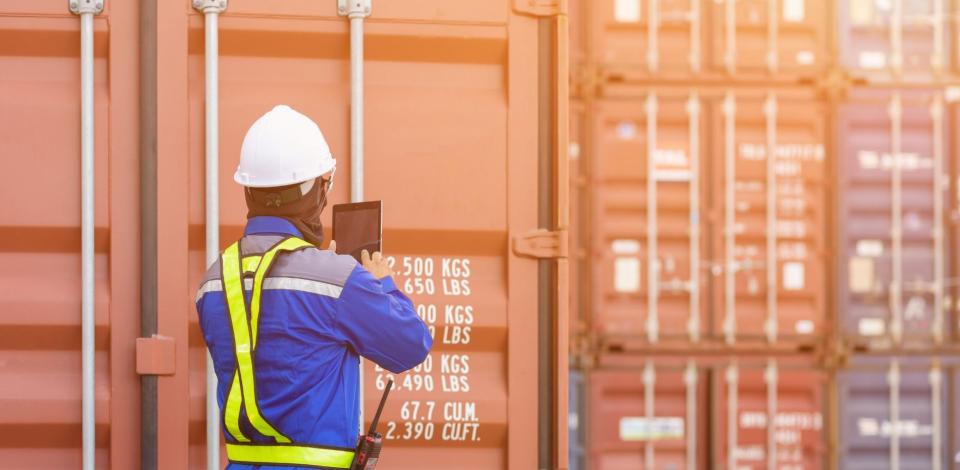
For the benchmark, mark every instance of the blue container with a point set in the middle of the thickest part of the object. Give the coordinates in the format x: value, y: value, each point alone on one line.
x: 577, y: 418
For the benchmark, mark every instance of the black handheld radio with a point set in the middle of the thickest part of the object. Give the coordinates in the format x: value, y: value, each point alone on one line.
x: 368, y: 448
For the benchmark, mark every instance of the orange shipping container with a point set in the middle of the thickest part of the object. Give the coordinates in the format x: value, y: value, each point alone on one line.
x: 675, y: 413
x: 712, y: 227
x: 455, y: 94
x: 697, y: 39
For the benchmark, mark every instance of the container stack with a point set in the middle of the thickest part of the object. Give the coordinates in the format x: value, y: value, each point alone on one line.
x: 763, y: 232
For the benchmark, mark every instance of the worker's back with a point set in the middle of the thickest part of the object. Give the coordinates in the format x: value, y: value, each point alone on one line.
x: 318, y: 311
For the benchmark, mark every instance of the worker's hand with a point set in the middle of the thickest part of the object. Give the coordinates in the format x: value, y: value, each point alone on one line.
x: 332, y: 246
x: 377, y: 264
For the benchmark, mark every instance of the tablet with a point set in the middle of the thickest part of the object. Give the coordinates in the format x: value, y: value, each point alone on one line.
x: 358, y: 226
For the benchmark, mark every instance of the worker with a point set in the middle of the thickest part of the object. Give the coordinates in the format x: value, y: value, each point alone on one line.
x: 286, y: 321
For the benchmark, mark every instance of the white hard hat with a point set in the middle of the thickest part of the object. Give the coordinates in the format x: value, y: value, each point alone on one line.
x: 283, y: 147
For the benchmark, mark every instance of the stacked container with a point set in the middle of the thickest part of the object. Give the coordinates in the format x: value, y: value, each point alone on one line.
x: 896, y: 158
x: 762, y: 198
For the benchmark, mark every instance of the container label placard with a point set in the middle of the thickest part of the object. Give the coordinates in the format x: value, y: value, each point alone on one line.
x: 651, y: 429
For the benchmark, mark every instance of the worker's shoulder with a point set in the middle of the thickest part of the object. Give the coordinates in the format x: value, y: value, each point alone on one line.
x: 311, y: 264
x: 316, y: 265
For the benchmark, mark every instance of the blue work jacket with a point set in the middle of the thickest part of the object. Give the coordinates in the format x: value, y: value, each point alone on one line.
x: 320, y: 312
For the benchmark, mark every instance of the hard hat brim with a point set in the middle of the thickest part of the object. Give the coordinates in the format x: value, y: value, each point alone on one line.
x: 246, y: 181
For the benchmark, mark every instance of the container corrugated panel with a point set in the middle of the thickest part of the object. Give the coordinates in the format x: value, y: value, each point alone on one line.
x: 641, y: 39
x: 893, y: 273
x: 691, y: 137
x: 642, y: 414
x: 797, y: 438
x: 40, y: 272
x: 890, y: 41
x: 899, y: 413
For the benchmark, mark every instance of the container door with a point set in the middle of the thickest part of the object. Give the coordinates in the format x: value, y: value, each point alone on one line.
x: 40, y: 269
x: 895, y: 413
x: 770, y: 416
x: 892, y: 181
x: 648, y: 416
x: 771, y: 242
x: 454, y: 94
x: 646, y: 230
x: 887, y: 41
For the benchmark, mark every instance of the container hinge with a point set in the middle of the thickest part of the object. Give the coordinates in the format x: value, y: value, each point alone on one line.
x: 80, y: 7
x: 354, y: 8
x: 156, y: 355
x: 541, y: 7
x: 542, y: 244
x: 210, y: 6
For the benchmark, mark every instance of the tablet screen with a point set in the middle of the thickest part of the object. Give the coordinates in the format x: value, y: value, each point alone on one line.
x: 357, y: 227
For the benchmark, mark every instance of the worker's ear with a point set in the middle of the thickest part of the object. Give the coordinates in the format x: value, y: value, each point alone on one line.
x: 332, y: 246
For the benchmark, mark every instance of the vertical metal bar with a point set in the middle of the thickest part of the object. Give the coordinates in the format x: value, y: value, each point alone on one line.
x: 773, y: 35
x: 356, y: 139
x: 551, y: 172
x: 356, y: 10
x: 649, y: 382
x: 653, y: 268
x: 896, y: 38
x: 212, y: 117
x: 770, y: 377
x: 939, y: 232
x: 936, y: 410
x: 937, y: 60
x: 87, y: 255
x: 653, y: 36
x: 695, y: 35
x: 356, y: 108
x: 896, y: 228
x: 148, y: 224
x: 893, y: 379
x: 770, y: 113
x: 730, y: 55
x: 732, y: 380
x: 690, y: 380
x: 693, y: 111
x: 730, y: 267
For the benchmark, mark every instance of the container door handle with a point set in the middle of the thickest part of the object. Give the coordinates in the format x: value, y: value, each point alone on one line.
x: 540, y: 7
x: 542, y: 244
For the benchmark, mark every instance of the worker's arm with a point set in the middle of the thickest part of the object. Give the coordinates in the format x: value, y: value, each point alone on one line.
x: 380, y: 322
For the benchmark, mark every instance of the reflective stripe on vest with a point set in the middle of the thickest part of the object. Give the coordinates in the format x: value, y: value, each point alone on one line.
x: 280, y: 454
x: 242, y: 391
